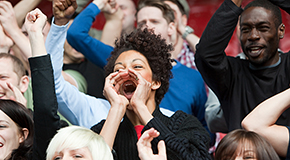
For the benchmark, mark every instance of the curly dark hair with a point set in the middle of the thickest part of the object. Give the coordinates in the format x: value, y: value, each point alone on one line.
x: 156, y: 51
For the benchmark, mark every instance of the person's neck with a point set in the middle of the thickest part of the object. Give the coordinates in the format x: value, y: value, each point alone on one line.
x: 275, y: 63
x: 133, y: 117
x: 177, y: 47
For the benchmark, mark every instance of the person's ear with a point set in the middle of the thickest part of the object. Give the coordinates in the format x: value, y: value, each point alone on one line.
x: 155, y: 85
x: 23, y: 135
x: 184, y: 20
x: 23, y: 84
x: 172, y: 33
x: 281, y: 30
x: 171, y: 29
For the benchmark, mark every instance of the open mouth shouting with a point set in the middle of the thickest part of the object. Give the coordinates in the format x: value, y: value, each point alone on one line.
x: 128, y: 88
x: 254, y: 51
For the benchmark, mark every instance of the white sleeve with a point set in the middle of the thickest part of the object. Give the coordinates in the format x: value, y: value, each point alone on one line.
x: 77, y: 107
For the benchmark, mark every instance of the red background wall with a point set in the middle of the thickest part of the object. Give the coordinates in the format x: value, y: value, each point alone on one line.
x: 200, y: 13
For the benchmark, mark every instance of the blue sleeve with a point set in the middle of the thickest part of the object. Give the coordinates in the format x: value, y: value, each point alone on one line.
x: 77, y: 107
x: 78, y: 37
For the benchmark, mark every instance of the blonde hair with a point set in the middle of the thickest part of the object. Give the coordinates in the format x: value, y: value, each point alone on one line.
x: 76, y: 137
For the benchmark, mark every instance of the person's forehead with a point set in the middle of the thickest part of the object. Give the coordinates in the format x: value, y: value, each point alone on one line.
x: 133, y: 54
x: 5, y: 118
x: 7, y: 68
x: 6, y: 64
x: 257, y: 14
x: 149, y: 12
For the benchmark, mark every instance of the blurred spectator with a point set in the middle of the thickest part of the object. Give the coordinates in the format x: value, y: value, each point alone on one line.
x: 242, y: 144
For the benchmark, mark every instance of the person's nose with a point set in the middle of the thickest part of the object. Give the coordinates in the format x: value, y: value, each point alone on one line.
x: 254, y: 35
x: 148, y: 24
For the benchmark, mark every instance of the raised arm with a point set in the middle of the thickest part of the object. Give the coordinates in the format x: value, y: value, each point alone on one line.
x: 238, y: 2
x: 210, y: 57
x: 118, y: 107
x: 5, y: 42
x: 78, y: 34
x: 46, y: 120
x: 191, y: 38
x: 263, y: 118
x: 283, y: 4
x: 113, y: 27
x: 77, y: 107
x: 22, y: 8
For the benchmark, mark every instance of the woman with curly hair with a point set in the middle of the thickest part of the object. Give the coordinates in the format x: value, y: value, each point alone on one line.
x: 138, y: 77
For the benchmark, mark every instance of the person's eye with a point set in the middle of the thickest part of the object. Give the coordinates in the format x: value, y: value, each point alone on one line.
x: 155, y: 21
x: 249, y: 157
x: 264, y: 28
x: 3, y: 126
x: 78, y: 156
x: 138, y: 66
x: 117, y: 69
x: 245, y: 29
x: 57, y: 158
x: 3, y: 77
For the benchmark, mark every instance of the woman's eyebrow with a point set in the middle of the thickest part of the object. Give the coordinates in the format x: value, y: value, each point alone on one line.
x: 138, y: 59
x: 4, y: 121
x: 118, y: 63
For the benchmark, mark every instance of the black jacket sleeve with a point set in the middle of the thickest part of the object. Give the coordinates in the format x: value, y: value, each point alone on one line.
x: 283, y: 4
x: 46, y: 120
x: 210, y: 57
x: 185, y: 137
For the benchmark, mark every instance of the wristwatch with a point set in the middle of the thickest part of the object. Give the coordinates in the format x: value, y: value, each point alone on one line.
x: 188, y: 30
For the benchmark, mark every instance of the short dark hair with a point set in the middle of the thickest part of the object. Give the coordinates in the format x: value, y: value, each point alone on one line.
x: 167, y: 12
x: 18, y: 66
x: 269, y: 6
x: 229, y: 144
x: 23, y: 118
x: 156, y: 51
